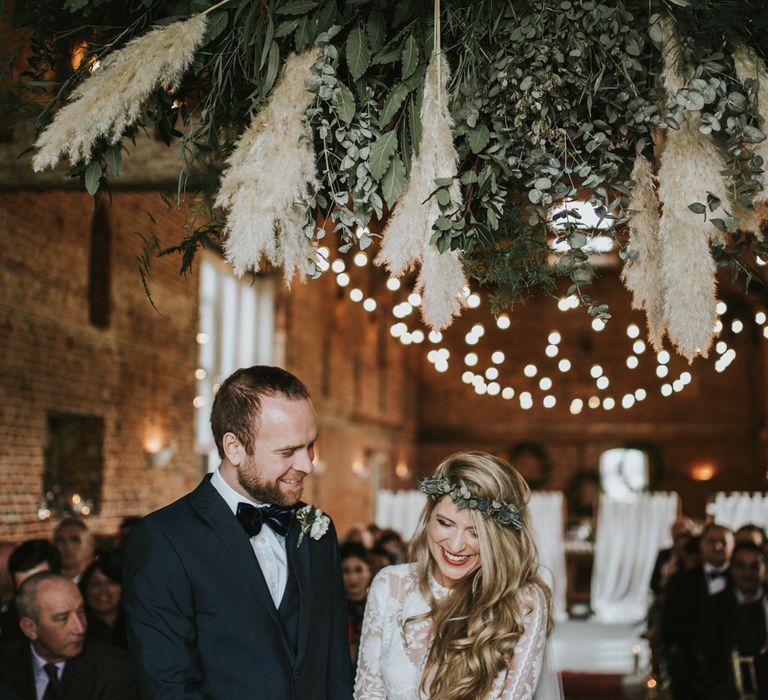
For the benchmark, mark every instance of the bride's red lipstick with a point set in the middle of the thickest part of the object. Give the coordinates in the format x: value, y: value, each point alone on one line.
x: 449, y: 561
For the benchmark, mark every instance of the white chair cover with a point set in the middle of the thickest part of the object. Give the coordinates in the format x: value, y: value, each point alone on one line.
x: 739, y: 508
x: 629, y: 537
x: 546, y: 510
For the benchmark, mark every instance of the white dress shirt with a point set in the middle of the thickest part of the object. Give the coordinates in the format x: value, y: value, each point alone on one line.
x: 715, y: 584
x: 268, y: 546
x: 41, y: 677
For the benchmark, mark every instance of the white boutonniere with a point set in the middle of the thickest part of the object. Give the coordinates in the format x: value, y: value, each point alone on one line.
x: 313, y: 523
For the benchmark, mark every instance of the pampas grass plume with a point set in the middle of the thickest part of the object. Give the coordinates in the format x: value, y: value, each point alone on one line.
x: 406, y: 239
x: 642, y: 276
x: 109, y: 100
x: 268, y: 178
x: 689, y: 169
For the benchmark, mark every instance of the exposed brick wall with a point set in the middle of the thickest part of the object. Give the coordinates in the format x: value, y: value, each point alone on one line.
x: 138, y: 373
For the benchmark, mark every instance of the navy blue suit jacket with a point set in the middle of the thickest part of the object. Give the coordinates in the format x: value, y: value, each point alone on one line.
x: 201, y: 621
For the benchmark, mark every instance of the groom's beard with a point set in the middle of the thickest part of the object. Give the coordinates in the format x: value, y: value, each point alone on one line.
x: 263, y: 491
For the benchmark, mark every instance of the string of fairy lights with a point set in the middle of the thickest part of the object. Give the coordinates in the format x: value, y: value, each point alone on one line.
x: 538, y: 381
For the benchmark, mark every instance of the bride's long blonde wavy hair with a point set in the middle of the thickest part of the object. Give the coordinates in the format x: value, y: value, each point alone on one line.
x: 477, y: 626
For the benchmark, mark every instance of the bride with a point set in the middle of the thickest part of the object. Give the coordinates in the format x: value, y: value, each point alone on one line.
x: 470, y: 618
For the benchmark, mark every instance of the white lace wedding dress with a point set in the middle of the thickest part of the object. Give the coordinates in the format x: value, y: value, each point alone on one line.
x: 392, y: 654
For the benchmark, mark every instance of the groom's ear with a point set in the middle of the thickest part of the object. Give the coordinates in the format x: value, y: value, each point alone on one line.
x: 233, y: 448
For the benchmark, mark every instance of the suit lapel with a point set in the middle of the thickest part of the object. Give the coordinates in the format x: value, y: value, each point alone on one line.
x: 300, y: 561
x: 210, y: 506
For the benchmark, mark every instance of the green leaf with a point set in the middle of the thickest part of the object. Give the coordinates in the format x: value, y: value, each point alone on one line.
x: 393, y: 182
x: 285, y: 28
x: 443, y: 197
x: 114, y: 159
x: 382, y: 150
x: 697, y: 208
x: 303, y: 34
x: 410, y: 56
x: 93, y: 177
x: 478, y: 138
x: 272, y: 68
x: 469, y: 177
x: 376, y: 29
x: 296, y: 7
x: 392, y: 105
x: 443, y: 181
x: 358, y: 53
x: 217, y: 23
x: 344, y: 104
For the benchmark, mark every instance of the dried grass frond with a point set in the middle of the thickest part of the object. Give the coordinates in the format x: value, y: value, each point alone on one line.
x: 269, y: 177
x: 642, y: 276
x: 110, y: 99
x: 406, y: 239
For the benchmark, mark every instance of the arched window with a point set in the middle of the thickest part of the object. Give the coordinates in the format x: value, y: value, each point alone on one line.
x: 624, y: 472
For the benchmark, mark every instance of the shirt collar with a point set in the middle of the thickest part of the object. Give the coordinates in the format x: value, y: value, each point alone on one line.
x: 709, y: 569
x: 230, y: 496
x: 38, y: 662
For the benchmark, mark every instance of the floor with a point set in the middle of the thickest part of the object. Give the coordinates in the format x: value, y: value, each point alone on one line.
x: 601, y: 662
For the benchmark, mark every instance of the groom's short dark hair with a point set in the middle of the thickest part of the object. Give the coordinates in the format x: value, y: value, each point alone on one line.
x: 237, y: 405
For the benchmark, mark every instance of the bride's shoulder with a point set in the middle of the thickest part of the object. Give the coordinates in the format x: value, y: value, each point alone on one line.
x: 393, y: 580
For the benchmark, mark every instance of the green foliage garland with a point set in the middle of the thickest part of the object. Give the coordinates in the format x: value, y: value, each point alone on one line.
x: 552, y: 99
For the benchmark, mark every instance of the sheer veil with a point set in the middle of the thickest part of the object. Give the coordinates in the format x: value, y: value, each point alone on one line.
x: 549, y: 687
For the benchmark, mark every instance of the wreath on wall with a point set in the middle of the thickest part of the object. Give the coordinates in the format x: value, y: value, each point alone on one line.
x: 458, y: 133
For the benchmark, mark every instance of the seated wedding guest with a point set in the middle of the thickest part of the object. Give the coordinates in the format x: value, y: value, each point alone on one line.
x: 54, y: 659
x: 735, y: 620
x: 687, y: 593
x: 750, y: 533
x: 126, y: 525
x: 6, y: 585
x: 75, y: 543
x: 29, y: 558
x: 470, y: 617
x: 379, y: 558
x: 358, y: 534
x: 669, y: 561
x: 393, y: 543
x: 356, y: 572
x: 101, y: 587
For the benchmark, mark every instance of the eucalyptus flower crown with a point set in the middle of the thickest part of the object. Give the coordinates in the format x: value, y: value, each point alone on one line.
x: 505, y: 514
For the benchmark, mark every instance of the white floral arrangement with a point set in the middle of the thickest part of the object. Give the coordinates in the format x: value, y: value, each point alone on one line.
x: 313, y: 523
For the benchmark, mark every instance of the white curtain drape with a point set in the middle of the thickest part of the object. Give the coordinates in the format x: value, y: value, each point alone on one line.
x: 630, y: 534
x: 399, y: 510
x: 547, y: 515
x: 739, y: 508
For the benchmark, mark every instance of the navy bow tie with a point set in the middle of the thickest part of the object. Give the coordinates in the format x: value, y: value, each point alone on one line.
x: 252, y: 518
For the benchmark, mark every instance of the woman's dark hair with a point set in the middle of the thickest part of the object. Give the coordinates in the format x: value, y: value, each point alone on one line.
x: 354, y: 549
x: 110, y: 564
x: 32, y: 553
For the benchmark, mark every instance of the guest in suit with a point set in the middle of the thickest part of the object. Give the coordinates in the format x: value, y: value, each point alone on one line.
x: 735, y: 619
x: 687, y: 593
x: 29, y: 558
x: 54, y: 661
x: 102, y: 590
x: 219, y: 606
x: 750, y: 533
x: 74, y: 540
x: 669, y: 561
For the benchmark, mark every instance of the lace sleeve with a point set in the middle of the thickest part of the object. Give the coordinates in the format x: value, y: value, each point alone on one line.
x: 368, y: 683
x: 522, y: 677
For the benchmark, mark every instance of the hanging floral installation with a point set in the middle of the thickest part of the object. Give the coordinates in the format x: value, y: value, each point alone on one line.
x: 302, y: 120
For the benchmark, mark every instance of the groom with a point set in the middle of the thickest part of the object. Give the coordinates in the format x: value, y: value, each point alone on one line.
x: 229, y: 599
